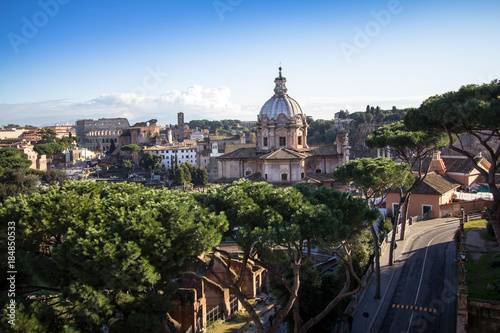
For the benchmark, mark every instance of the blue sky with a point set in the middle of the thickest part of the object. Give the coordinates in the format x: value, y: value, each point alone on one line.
x: 62, y: 60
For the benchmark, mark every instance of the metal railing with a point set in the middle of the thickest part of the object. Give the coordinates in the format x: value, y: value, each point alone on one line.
x: 233, y: 305
x: 213, y: 316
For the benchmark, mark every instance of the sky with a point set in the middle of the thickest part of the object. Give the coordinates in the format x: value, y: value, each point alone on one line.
x: 63, y: 60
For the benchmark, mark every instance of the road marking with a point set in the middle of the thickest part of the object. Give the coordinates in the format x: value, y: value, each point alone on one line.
x: 429, y: 226
x: 413, y: 307
x: 421, y: 276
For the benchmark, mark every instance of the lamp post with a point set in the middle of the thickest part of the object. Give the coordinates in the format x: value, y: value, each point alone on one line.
x: 463, y: 257
x: 463, y: 270
x: 462, y: 218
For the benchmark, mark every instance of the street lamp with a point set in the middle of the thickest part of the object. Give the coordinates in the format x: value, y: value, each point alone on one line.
x: 463, y: 269
x: 462, y: 220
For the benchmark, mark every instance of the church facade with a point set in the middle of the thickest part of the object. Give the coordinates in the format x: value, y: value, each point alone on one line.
x: 281, y: 155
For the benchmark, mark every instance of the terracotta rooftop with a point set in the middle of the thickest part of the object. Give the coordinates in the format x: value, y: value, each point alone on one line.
x: 482, y: 180
x: 436, y: 184
x: 457, y: 164
x: 460, y: 165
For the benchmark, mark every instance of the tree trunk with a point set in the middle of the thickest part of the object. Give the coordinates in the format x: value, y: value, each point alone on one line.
x: 404, y: 214
x: 296, y: 316
x: 294, y: 297
x: 393, y: 238
x: 495, y: 219
x: 377, y: 261
x: 495, y: 209
x: 251, y: 311
x: 347, y: 264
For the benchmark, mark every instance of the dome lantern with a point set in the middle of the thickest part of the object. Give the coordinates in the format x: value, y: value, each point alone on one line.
x: 280, y: 102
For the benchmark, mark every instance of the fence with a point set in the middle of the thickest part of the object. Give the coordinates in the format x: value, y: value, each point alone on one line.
x: 233, y: 306
x: 213, y: 316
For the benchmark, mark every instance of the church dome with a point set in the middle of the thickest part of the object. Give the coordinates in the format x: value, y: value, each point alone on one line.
x: 280, y: 102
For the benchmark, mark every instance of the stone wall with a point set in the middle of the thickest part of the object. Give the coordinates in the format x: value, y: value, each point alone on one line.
x: 483, y: 316
x: 454, y: 209
x: 357, y: 137
x: 103, y: 130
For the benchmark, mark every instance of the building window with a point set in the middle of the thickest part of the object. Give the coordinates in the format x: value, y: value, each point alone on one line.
x: 265, y: 176
x: 284, y: 177
x: 318, y: 170
x: 265, y: 142
x: 302, y: 175
x: 426, y: 210
x: 395, y: 207
x: 299, y: 140
x: 282, y: 141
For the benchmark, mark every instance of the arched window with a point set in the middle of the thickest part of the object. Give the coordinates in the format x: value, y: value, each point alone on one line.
x: 248, y: 172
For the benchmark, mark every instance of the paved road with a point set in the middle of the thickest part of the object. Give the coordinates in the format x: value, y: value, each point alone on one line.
x: 427, y: 282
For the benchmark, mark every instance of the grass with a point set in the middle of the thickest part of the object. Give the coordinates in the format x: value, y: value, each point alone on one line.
x: 475, y: 224
x: 232, y: 326
x: 236, y: 323
x: 480, y: 273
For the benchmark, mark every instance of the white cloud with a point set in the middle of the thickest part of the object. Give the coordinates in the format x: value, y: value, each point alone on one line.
x: 196, y: 102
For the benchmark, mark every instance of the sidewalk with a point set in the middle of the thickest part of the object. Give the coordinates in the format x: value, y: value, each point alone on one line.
x: 366, y: 314
x: 264, y: 317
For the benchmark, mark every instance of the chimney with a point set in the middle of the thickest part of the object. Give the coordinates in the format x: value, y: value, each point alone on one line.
x: 437, y: 164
